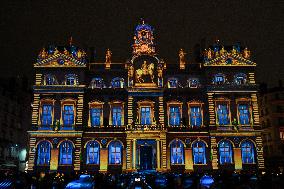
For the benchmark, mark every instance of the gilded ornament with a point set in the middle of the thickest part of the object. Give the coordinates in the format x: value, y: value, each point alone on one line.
x: 246, y: 53
x: 108, y: 56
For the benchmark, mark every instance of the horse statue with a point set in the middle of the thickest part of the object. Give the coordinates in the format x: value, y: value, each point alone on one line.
x: 145, y: 70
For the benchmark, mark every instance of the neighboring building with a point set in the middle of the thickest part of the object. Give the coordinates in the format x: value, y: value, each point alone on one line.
x: 145, y: 113
x: 271, y: 103
x: 15, y: 118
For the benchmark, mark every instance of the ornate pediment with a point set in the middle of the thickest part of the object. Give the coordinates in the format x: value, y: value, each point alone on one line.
x: 222, y: 57
x: 66, y: 57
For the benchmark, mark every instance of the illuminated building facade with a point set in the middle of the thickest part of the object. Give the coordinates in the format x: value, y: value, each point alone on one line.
x: 271, y: 103
x: 145, y: 113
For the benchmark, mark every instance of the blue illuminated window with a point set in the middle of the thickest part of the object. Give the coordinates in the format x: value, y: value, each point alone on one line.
x: 219, y: 79
x: 172, y: 83
x: 248, y: 152
x: 96, y: 116
x: 93, y: 153
x: 223, y: 114
x: 244, y: 115
x: 68, y: 115
x: 199, y: 156
x: 117, y: 115
x: 175, y: 115
x: 66, y: 153
x: 50, y: 79
x: 97, y: 83
x: 43, y: 153
x: 117, y: 83
x: 225, y: 152
x: 240, y: 79
x: 146, y: 116
x: 195, y: 116
x: 115, y: 152
x: 70, y: 79
x: 177, y: 149
x: 46, y: 115
x: 193, y: 83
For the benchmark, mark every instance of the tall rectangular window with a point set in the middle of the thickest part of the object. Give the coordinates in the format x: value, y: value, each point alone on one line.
x: 46, y: 115
x: 145, y: 116
x: 117, y: 115
x: 223, y: 114
x: 68, y: 115
x: 195, y: 116
x: 95, y: 116
x: 175, y: 116
x: 244, y: 114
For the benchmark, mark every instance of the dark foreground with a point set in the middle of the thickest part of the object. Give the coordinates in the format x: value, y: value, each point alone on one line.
x: 147, y: 180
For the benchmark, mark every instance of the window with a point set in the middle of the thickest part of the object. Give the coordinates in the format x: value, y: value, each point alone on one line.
x: 95, y: 116
x: 225, y: 152
x: 68, y: 115
x: 93, y: 153
x: 46, y: 115
x: 223, y: 114
x: 115, y: 152
x: 199, y: 156
x: 172, y: 83
x: 70, y: 79
x: 177, y: 152
x: 117, y: 115
x: 97, y: 83
x: 50, y: 80
x: 146, y: 116
x: 219, y: 79
x: 66, y: 153
x: 117, y: 83
x: 43, y: 153
x: 281, y: 132
x: 195, y: 116
x: 244, y: 114
x: 175, y: 115
x: 247, y: 148
x: 240, y: 79
x: 193, y: 83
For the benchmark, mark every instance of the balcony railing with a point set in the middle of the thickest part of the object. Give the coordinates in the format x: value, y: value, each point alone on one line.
x: 225, y: 87
x: 139, y: 127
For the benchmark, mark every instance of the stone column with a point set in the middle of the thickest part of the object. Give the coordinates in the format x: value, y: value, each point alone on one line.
x: 103, y: 159
x: 238, y: 158
x: 188, y: 159
x: 134, y: 154
x: 158, y: 155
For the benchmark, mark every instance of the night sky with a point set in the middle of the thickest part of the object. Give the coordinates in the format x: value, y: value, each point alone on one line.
x: 27, y: 26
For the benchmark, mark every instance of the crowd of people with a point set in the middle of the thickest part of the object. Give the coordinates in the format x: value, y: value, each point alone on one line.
x: 148, y: 180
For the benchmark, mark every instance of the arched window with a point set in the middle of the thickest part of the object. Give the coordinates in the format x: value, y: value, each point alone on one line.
x: 50, y: 80
x: 70, y: 79
x: 93, y: 153
x: 115, y: 152
x: 117, y: 82
x: 248, y: 152
x: 240, y: 79
x: 97, y: 82
x: 219, y: 79
x: 199, y: 156
x: 225, y: 152
x: 43, y: 153
x: 66, y: 153
x: 177, y: 149
x: 193, y: 82
x: 172, y: 83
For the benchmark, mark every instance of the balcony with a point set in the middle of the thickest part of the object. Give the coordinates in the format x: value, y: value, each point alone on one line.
x: 233, y: 87
x: 139, y: 127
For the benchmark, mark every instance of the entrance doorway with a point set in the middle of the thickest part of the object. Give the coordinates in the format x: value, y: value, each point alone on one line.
x: 146, y: 155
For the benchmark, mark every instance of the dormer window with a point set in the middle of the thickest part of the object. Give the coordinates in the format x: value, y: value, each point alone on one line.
x: 172, y: 83
x: 117, y: 82
x: 50, y: 80
x: 97, y: 83
x: 70, y: 79
x: 219, y: 79
x: 240, y: 79
x: 193, y: 83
